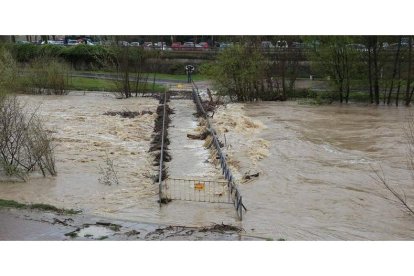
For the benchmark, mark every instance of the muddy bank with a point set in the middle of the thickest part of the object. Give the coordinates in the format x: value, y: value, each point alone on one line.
x: 32, y: 225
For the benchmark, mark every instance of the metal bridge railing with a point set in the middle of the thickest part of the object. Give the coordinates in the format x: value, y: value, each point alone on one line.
x: 162, y: 149
x: 235, y: 195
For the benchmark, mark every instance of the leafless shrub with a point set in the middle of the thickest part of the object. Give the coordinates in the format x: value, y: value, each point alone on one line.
x: 380, y: 176
x: 24, y: 142
x: 400, y: 196
x: 108, y: 173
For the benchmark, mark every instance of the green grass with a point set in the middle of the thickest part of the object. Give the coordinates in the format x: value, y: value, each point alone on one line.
x: 11, y: 204
x: 90, y: 84
x: 37, y: 206
x: 196, y: 77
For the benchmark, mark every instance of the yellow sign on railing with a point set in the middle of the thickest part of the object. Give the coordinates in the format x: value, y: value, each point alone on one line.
x: 199, y: 186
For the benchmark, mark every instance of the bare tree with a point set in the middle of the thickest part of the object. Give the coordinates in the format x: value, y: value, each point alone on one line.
x: 25, y: 145
x: 129, y: 65
x: 395, y: 68
x: 380, y: 175
x: 108, y: 173
x: 400, y: 196
x: 407, y: 91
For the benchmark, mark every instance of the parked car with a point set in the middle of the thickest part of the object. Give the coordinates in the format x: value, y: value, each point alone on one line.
x: 53, y: 42
x: 204, y: 45
x: 160, y: 45
x: 299, y: 45
x: 357, y: 47
x: 176, y: 46
x: 135, y: 44
x: 72, y: 42
x: 282, y: 44
x: 224, y: 45
x: 123, y: 43
x: 198, y: 47
x: 22, y: 42
x: 267, y: 45
x: 188, y: 45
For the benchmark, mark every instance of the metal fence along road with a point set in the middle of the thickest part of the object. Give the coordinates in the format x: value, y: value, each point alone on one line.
x: 235, y: 195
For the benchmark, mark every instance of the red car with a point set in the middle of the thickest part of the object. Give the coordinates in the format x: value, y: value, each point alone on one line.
x: 176, y: 45
x: 204, y: 45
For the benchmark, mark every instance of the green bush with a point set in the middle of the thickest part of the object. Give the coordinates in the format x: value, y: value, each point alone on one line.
x: 8, y: 71
x: 26, y: 52
x: 95, y: 56
x: 47, y: 76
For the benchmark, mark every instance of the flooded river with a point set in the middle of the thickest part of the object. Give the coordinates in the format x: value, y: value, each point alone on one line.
x: 316, y: 180
x: 84, y: 137
x: 314, y: 162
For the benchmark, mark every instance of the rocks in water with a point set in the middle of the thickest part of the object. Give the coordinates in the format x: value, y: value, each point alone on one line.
x: 248, y: 176
x: 127, y: 113
x: 198, y: 136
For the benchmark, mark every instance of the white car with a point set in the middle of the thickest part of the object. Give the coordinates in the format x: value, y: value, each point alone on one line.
x: 188, y: 45
x: 267, y: 44
x: 72, y: 42
x: 281, y: 44
x: 123, y: 43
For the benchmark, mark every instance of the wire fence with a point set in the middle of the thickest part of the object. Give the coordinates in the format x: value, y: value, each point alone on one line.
x: 234, y: 192
x: 196, y: 190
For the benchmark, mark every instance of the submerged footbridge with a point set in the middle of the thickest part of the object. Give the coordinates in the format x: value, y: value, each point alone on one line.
x: 189, y: 176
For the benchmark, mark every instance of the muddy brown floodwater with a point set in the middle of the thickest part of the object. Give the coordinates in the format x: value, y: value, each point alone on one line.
x: 314, y: 162
x: 84, y: 137
x: 315, y: 165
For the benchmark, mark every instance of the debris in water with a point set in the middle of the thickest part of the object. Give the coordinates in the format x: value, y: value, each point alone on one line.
x: 64, y: 222
x: 221, y: 228
x: 132, y: 233
x: 164, y: 200
x: 73, y: 234
x: 247, y: 175
x: 112, y: 226
x: 127, y: 113
x: 192, y: 232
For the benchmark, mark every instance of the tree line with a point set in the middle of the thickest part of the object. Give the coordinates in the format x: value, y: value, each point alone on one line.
x: 46, y: 69
x: 377, y: 67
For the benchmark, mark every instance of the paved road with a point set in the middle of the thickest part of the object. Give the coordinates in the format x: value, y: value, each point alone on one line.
x: 112, y: 76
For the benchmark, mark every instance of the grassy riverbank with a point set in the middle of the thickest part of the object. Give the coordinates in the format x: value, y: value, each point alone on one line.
x: 37, y: 206
x: 90, y: 84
